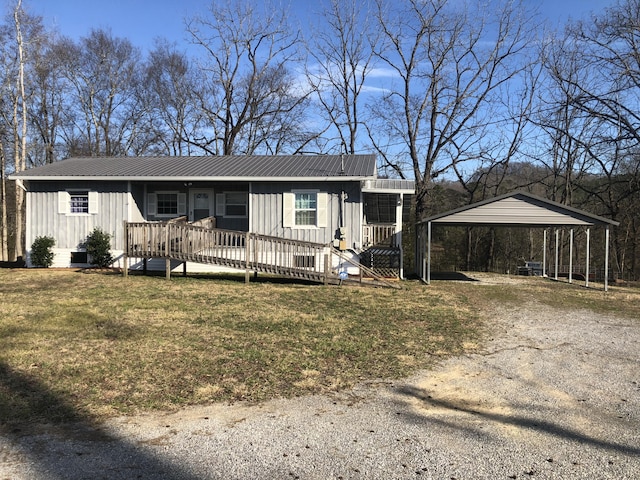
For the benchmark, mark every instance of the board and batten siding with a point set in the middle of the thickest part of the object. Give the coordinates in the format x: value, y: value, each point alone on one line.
x: 268, y: 211
x: 46, y: 217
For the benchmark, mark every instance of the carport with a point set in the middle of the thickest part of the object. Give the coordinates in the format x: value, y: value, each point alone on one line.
x: 516, y: 209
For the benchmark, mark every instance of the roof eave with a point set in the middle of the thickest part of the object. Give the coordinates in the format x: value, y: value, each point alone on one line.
x: 109, y: 178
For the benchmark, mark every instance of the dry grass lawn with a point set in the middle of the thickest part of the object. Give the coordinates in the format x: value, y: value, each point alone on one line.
x: 92, y: 345
x: 85, y: 346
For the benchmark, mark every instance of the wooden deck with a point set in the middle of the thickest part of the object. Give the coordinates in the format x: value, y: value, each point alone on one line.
x: 186, y: 242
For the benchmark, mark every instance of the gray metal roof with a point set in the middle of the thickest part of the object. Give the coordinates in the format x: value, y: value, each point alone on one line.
x: 519, y: 209
x: 389, y: 185
x: 232, y: 167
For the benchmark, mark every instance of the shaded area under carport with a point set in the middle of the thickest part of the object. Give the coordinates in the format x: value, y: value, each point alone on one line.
x: 516, y: 209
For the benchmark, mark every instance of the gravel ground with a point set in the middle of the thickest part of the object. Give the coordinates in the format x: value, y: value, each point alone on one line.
x: 554, y: 394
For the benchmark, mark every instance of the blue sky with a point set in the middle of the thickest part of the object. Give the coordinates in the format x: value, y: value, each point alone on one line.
x: 143, y: 20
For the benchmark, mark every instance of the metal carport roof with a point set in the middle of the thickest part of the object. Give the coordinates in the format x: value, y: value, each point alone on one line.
x: 516, y: 209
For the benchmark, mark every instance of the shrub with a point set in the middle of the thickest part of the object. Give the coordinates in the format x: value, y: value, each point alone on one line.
x: 41, y: 254
x: 98, y: 245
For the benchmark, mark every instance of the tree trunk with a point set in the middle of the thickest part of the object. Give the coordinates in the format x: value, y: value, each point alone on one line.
x: 4, y: 233
x: 20, y: 144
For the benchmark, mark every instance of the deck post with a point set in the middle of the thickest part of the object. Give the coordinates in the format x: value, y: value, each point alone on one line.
x: 167, y: 267
x: 247, y: 250
x: 326, y: 269
x: 125, y: 266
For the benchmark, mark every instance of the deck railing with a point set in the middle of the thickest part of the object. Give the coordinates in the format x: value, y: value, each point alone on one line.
x: 244, y: 250
x: 378, y: 235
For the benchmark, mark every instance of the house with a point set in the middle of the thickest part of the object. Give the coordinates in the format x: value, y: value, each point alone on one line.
x: 334, y: 200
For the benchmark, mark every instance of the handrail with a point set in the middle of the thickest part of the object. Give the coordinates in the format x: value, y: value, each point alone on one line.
x: 244, y: 250
x: 365, y: 271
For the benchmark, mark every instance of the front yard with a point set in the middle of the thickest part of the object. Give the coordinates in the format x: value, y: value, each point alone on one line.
x: 84, y: 345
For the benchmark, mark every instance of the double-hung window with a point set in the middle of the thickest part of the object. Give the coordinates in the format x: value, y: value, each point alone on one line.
x: 232, y: 204
x: 166, y: 204
x: 305, y: 209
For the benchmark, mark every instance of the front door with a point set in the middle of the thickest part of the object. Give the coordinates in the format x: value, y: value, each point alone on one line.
x: 200, y: 203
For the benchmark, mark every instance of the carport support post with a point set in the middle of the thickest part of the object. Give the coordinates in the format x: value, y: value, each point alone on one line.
x: 586, y: 268
x: 544, y: 253
x: 557, y: 242
x: 571, y: 255
x: 606, y: 259
x: 428, y: 253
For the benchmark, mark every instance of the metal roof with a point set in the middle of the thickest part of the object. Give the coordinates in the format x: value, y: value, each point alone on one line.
x: 231, y: 167
x: 389, y: 185
x: 519, y: 209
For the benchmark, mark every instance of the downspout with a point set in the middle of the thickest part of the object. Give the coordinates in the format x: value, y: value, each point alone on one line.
x: 249, y: 208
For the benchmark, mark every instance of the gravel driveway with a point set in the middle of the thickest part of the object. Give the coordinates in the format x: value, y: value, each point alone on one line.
x: 554, y: 394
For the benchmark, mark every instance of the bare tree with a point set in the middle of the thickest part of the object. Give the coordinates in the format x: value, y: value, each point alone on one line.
x: 248, y: 95
x: 103, y: 72
x: 596, y: 127
x: 167, y: 91
x: 342, y: 54
x: 48, y: 101
x: 4, y: 219
x: 451, y: 64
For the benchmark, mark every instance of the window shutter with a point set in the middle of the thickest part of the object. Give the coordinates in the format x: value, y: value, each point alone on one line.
x: 151, y: 204
x: 288, y: 209
x: 322, y: 201
x: 182, y: 203
x: 64, y: 202
x: 220, y: 204
x: 93, y: 202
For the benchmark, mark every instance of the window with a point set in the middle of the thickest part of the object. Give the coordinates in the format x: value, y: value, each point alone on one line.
x: 306, y: 209
x: 167, y: 204
x: 232, y: 204
x: 235, y: 204
x: 79, y: 202
x: 79, y: 257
